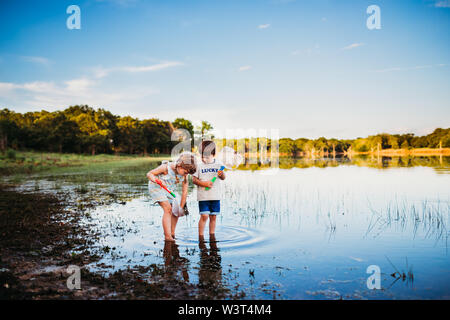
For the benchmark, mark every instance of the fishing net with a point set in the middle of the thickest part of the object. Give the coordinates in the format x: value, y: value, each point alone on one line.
x: 229, y: 157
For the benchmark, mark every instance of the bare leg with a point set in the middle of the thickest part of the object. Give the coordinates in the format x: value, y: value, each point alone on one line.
x: 174, y: 225
x: 166, y: 220
x: 212, y: 224
x: 201, y: 224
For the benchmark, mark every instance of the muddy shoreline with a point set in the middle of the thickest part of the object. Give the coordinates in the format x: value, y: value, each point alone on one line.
x: 41, y: 235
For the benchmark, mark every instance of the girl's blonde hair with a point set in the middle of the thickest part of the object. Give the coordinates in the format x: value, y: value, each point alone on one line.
x: 188, y: 162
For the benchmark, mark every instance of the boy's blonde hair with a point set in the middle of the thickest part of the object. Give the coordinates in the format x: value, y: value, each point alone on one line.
x: 188, y: 162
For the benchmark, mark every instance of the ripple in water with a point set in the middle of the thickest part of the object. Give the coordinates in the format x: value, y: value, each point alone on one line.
x: 226, y: 237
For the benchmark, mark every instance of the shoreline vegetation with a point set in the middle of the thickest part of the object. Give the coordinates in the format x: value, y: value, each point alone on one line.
x: 409, y: 152
x: 32, y: 162
x: 385, y: 152
x: 81, y: 129
x: 28, y: 162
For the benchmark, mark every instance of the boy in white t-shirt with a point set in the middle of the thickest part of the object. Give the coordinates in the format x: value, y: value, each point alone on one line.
x: 208, y: 193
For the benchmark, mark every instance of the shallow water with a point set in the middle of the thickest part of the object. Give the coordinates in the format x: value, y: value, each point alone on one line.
x: 307, y: 231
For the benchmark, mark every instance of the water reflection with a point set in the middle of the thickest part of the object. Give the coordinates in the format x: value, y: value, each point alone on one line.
x: 177, y: 268
x: 175, y: 264
x: 374, y: 161
x: 210, y: 272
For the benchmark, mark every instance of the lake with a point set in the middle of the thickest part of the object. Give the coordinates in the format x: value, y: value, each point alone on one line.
x: 308, y: 230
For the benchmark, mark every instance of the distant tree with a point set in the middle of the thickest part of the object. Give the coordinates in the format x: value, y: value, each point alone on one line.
x: 321, y: 144
x: 392, y: 142
x: 8, y: 128
x: 204, y: 129
x: 286, y: 146
x: 405, y: 144
x: 300, y: 144
x: 156, y: 136
x: 362, y: 145
x: 309, y: 146
x: 57, y: 132
x: 446, y: 140
x: 181, y: 123
x: 131, y: 134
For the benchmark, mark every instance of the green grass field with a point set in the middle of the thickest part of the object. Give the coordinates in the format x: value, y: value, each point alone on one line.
x: 18, y: 162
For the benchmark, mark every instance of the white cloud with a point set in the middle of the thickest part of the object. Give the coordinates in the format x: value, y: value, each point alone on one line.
x: 92, y: 90
x: 409, y: 68
x: 37, y: 60
x: 155, y: 67
x: 264, y: 26
x: 37, y: 86
x: 80, y: 85
x: 41, y: 94
x: 100, y: 72
x: 244, y: 68
x: 353, y: 46
x: 40, y: 87
x: 6, y: 86
x: 442, y: 4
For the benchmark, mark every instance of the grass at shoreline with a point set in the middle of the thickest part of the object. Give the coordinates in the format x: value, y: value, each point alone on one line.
x: 29, y: 162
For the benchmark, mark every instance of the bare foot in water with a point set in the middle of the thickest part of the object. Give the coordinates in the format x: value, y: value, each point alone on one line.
x: 170, y: 239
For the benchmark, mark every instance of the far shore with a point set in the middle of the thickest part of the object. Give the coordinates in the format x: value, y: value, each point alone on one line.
x: 408, y: 152
x: 419, y: 152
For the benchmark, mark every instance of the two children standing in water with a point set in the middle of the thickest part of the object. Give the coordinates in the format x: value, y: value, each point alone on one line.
x: 208, y: 193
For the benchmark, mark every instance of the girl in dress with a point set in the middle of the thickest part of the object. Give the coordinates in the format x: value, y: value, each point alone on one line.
x: 171, y: 174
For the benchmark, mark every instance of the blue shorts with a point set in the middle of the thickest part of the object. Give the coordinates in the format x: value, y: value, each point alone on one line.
x: 209, y: 207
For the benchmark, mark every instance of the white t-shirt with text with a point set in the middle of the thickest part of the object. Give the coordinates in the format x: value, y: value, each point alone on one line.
x: 205, y: 172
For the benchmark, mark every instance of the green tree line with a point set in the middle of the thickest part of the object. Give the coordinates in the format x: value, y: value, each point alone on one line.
x: 81, y: 129
x: 302, y: 146
x: 438, y: 138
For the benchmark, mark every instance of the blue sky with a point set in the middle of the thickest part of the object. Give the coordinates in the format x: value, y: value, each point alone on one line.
x: 308, y: 68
